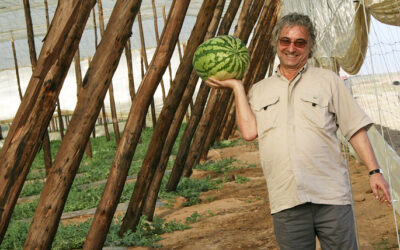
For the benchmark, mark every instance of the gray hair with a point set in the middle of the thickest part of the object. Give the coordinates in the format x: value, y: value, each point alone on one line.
x: 294, y: 19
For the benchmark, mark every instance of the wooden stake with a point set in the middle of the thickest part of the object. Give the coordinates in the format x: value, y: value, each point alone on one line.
x: 247, y: 20
x: 169, y: 64
x: 32, y: 54
x: 158, y: 41
x: 133, y: 128
x: 78, y: 77
x: 128, y: 54
x: 173, y: 131
x: 146, y: 65
x: 103, y: 109
x: 154, y: 151
x: 58, y: 106
x: 95, y: 84
x: 16, y: 67
x: 197, y: 112
x: 37, y: 106
x: 110, y: 88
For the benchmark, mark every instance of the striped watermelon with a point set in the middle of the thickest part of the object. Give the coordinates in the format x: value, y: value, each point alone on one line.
x: 221, y: 57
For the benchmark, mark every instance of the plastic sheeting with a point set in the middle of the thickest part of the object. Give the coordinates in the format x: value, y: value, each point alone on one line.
x: 334, y: 21
x: 386, y: 11
x: 353, y: 59
x: 343, y: 28
x: 389, y: 161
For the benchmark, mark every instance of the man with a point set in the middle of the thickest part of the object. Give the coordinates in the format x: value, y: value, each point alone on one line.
x: 295, y: 115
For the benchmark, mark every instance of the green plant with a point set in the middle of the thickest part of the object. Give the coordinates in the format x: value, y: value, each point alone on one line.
x: 33, y: 188
x: 195, y: 217
x: 218, y: 166
x: 240, y: 179
x: 383, y: 244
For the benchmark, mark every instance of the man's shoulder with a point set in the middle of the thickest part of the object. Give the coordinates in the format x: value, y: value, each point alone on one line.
x: 321, y: 72
x: 265, y: 82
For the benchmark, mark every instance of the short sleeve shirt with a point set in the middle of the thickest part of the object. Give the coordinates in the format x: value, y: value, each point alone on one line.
x: 297, y: 122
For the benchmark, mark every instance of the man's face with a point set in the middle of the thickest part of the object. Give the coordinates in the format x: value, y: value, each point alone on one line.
x: 293, y: 55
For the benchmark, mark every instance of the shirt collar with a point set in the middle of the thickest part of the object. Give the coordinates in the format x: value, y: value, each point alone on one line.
x: 302, y: 70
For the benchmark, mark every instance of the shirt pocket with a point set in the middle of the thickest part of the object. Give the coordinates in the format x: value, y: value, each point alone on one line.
x: 267, y: 114
x: 314, y: 110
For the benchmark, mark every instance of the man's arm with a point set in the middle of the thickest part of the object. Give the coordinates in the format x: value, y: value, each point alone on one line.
x: 245, y: 117
x: 362, y: 146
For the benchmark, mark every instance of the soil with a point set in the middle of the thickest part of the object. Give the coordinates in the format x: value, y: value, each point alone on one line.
x: 237, y: 216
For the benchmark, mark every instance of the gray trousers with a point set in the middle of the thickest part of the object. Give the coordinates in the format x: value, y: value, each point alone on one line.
x: 297, y: 227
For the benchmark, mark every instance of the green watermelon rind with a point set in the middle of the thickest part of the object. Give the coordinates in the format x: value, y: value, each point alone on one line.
x: 211, y: 60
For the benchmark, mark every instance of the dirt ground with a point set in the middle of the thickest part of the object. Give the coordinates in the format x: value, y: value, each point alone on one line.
x: 238, y: 215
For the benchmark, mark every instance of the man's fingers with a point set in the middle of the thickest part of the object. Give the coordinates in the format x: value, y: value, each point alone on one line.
x: 375, y: 192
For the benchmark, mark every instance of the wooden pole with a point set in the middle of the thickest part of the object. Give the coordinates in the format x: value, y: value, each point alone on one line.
x: 128, y: 54
x: 32, y: 54
x: 146, y: 65
x: 158, y: 41
x: 111, y: 88
x: 267, y: 59
x: 212, y: 113
x: 126, y: 148
x: 154, y: 151
x: 37, y: 106
x: 103, y: 109
x: 197, y: 112
x: 1, y: 132
x: 95, y: 84
x: 248, y: 18
x: 31, y: 37
x: 169, y: 64
x: 58, y: 106
x: 78, y: 77
x: 173, y: 131
x: 16, y: 67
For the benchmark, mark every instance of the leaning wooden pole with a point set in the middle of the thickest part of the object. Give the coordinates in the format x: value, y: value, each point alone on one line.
x: 173, y: 130
x: 58, y: 106
x: 243, y: 32
x: 16, y: 68
x: 126, y: 148
x: 128, y: 55
x: 259, y: 68
x: 197, y: 112
x: 153, y: 4
x: 32, y: 54
x: 95, y: 84
x: 110, y: 88
x: 146, y: 65
x: 36, y: 109
x: 175, y: 93
x: 210, y: 113
x: 79, y: 86
x: 169, y: 64
x: 103, y: 109
x: 256, y: 49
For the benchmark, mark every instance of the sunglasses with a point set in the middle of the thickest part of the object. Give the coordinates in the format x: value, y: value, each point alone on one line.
x: 299, y: 43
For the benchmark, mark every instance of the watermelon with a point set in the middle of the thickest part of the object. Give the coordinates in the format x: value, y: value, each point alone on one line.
x: 221, y: 57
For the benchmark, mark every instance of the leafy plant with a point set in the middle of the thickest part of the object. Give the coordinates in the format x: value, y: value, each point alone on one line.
x: 240, y: 179
x: 221, y: 166
x: 195, y: 217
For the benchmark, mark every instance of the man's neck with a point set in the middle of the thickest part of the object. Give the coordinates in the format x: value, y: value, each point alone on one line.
x: 288, y: 73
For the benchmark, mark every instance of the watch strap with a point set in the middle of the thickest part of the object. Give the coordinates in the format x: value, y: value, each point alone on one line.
x: 375, y: 171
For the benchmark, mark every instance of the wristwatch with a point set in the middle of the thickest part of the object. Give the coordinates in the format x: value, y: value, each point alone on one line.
x: 375, y: 171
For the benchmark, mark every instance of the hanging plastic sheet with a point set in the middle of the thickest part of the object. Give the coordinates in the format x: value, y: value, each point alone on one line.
x: 386, y: 11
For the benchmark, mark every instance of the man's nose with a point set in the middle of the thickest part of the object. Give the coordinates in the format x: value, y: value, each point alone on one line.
x: 291, y: 47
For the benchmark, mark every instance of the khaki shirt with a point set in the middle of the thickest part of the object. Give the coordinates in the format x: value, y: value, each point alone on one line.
x: 297, y: 122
